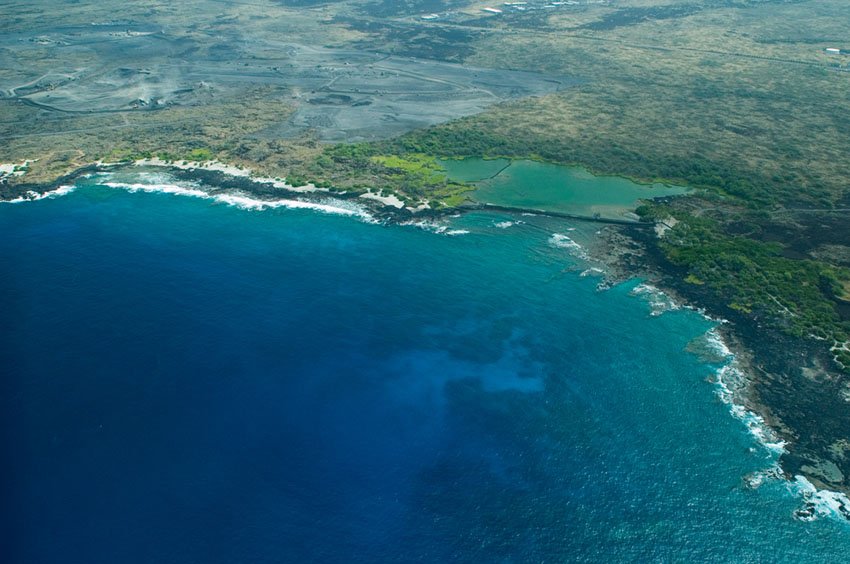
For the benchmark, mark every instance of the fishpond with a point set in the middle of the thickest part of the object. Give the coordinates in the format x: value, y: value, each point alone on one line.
x: 554, y: 188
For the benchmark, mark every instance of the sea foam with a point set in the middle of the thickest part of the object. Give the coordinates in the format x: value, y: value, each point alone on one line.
x: 244, y: 201
x: 227, y: 169
x: 731, y: 380
x: 31, y: 196
x: 818, y: 503
x: 435, y: 227
x: 659, y: 302
x: 562, y: 241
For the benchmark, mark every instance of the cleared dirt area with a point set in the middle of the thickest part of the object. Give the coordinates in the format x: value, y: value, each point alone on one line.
x: 341, y: 94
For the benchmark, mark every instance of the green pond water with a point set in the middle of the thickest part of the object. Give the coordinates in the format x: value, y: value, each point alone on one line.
x: 548, y: 187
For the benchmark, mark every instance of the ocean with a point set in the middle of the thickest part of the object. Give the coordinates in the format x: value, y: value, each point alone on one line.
x: 189, y: 379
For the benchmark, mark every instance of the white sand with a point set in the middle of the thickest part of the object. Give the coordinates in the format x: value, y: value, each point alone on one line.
x: 14, y: 169
x: 230, y: 170
x: 391, y: 200
x: 421, y: 207
x: 665, y: 225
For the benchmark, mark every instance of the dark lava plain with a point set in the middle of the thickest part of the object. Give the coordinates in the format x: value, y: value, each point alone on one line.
x: 339, y: 94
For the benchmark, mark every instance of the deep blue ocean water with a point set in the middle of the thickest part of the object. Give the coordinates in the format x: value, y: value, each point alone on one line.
x: 186, y: 381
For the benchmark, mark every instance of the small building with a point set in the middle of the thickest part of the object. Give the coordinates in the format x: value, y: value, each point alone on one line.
x: 832, y: 51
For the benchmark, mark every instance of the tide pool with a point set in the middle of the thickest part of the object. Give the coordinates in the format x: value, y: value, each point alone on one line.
x: 188, y: 381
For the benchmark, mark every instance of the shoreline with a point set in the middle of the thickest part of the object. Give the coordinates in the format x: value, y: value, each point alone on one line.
x: 214, y: 179
x: 218, y: 178
x: 754, y: 357
x: 626, y: 250
x: 763, y: 393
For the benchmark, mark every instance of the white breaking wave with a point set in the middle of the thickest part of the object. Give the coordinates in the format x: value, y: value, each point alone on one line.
x: 564, y: 242
x: 592, y: 271
x: 163, y: 188
x: 435, y: 227
x: 229, y: 170
x: 31, y: 196
x: 506, y: 224
x: 755, y: 480
x: 818, y: 503
x: 244, y: 201
x: 658, y: 301
x: 716, y: 343
x: 731, y: 380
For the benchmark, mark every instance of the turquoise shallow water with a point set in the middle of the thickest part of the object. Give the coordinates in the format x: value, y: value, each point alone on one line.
x: 189, y: 381
x: 548, y: 187
x: 473, y: 170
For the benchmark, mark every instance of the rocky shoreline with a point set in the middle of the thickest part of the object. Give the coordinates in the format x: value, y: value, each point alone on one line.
x: 214, y: 182
x: 788, y: 381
